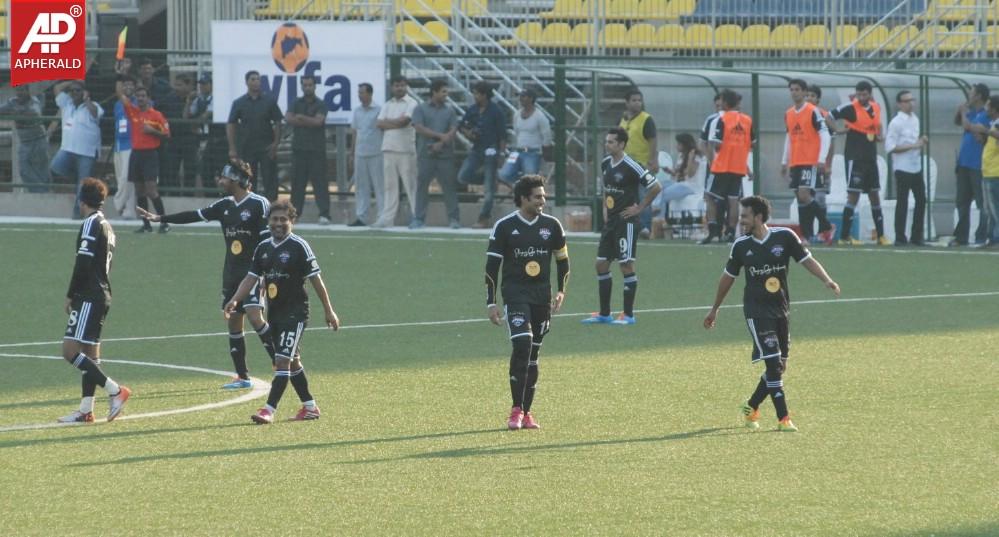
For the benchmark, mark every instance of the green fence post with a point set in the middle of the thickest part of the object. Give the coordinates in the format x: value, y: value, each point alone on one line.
x: 596, y: 150
x: 756, y: 146
x: 560, y: 153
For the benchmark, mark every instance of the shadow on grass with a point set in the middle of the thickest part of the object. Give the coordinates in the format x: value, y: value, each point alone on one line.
x: 35, y: 404
x: 110, y: 436
x: 987, y: 529
x: 467, y: 452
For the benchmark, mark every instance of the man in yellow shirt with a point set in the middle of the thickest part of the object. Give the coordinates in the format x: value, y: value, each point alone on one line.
x: 642, y: 146
x: 990, y: 174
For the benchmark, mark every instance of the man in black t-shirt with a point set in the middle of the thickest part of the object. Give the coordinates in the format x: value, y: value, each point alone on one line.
x: 254, y: 132
x: 243, y: 218
x: 283, y: 263
x: 307, y: 118
x: 766, y: 253
x: 87, y: 303
x: 621, y: 179
x: 524, y: 243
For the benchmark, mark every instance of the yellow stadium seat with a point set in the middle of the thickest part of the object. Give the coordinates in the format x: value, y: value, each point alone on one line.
x: 528, y: 32
x: 3, y: 28
x: 442, y: 8
x: 281, y: 8
x: 993, y: 13
x: 472, y: 8
x: 582, y: 35
x: 846, y: 35
x: 556, y: 34
x: 931, y: 37
x: 815, y: 37
x: 321, y: 8
x: 755, y: 37
x: 699, y: 36
x: 873, y: 37
x: 614, y: 36
x: 962, y: 39
x: 680, y: 8
x: 415, y: 7
x: 412, y: 33
x: 950, y: 10
x: 785, y: 37
x: 728, y: 36
x: 623, y: 10
x: 901, y: 36
x: 359, y: 8
x: 566, y: 9
x: 439, y: 31
x: 643, y: 35
x: 654, y: 10
x: 671, y: 36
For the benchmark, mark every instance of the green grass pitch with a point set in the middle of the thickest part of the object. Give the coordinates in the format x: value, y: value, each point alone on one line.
x: 894, y: 387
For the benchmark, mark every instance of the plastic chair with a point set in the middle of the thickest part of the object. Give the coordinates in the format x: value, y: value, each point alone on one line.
x: 671, y: 36
x: 755, y: 37
x: 728, y: 36
x: 785, y: 37
x: 815, y: 37
x: 642, y: 35
x: 614, y: 36
x: 699, y: 36
x: 556, y: 35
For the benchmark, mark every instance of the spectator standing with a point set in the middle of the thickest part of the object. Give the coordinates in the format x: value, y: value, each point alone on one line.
x: 533, y: 134
x: 182, y: 148
x: 990, y: 170
x: 124, y: 198
x: 971, y: 116
x: 398, y: 149
x: 904, y: 143
x: 33, y: 141
x: 485, y: 125
x: 81, y: 134
x: 214, y: 156
x: 254, y: 131
x: 366, y: 156
x: 307, y: 118
x: 642, y: 147
x: 436, y: 124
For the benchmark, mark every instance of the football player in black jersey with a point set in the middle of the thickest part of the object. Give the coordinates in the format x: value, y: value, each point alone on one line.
x: 766, y: 252
x: 621, y: 177
x: 524, y: 243
x: 284, y: 263
x: 87, y: 303
x: 243, y: 217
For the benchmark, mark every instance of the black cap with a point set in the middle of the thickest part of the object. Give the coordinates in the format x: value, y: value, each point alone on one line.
x: 530, y: 93
x: 205, y: 78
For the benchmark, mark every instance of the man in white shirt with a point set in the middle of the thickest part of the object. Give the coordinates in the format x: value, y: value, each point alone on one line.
x: 398, y: 149
x: 81, y: 134
x: 904, y: 144
x: 533, y: 132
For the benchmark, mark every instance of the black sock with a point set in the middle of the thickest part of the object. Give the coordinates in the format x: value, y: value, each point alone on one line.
x: 519, y: 359
x: 714, y: 229
x: 267, y: 340
x: 630, y: 289
x: 775, y: 387
x: 760, y: 393
x: 604, y: 283
x: 278, y: 385
x: 819, y: 211
x: 91, y: 371
x: 88, y: 388
x: 158, y: 203
x: 237, y: 350
x: 847, y: 222
x: 879, y: 220
x: 301, y: 384
x: 143, y: 203
x: 532, y: 376
x: 806, y: 220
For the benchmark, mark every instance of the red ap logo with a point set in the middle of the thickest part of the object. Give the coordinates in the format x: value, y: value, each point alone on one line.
x: 47, y: 40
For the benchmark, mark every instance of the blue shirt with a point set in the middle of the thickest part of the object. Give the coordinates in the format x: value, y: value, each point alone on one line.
x: 970, y: 154
x: 122, y: 130
x: 489, y: 124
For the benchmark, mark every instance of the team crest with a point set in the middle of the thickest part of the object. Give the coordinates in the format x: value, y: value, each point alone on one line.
x: 284, y: 257
x: 770, y: 340
x: 517, y: 320
x: 245, y: 215
x: 545, y: 233
x: 618, y: 176
x: 777, y: 250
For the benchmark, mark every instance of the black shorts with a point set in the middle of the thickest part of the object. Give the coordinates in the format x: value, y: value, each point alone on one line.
x: 287, y: 338
x: 803, y: 177
x: 254, y: 300
x: 143, y: 165
x: 618, y: 241
x: 821, y: 180
x: 862, y: 176
x: 528, y: 320
x: 86, y: 319
x: 725, y: 185
x: 771, y: 338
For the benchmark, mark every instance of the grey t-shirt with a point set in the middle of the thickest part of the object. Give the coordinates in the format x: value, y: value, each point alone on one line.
x: 369, y: 136
x: 27, y: 129
x: 438, y: 119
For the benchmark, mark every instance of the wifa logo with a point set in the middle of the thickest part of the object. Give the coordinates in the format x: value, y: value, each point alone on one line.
x: 47, y: 40
x: 290, y: 51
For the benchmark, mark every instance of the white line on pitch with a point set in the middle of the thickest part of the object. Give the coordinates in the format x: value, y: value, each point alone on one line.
x: 260, y: 388
x: 483, y: 319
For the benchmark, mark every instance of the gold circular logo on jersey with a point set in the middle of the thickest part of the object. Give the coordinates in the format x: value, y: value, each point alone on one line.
x: 271, y: 291
x: 532, y: 268
x: 773, y: 284
x: 609, y: 201
x: 871, y: 137
x: 236, y: 248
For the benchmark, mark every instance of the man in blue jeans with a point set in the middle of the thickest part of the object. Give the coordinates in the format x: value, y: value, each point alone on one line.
x: 81, y: 134
x: 485, y: 125
x: 973, y: 118
x: 532, y: 132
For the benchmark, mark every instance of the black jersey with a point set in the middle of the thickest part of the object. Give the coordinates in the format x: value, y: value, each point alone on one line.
x: 858, y: 146
x: 766, y: 295
x: 285, y: 266
x: 621, y: 180
x: 527, y: 249
x: 706, y: 128
x: 244, y: 226
x: 94, y: 249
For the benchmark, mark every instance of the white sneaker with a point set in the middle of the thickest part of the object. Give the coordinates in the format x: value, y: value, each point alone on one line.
x: 77, y: 417
x: 323, y: 221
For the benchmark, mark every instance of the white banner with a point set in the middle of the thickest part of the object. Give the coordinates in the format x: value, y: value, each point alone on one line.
x: 340, y: 54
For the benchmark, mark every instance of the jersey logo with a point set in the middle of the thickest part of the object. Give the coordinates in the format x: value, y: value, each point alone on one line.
x: 749, y: 253
x: 245, y: 215
x: 517, y: 320
x: 618, y: 176
x: 284, y: 257
x: 515, y: 232
x: 545, y: 233
x: 777, y: 250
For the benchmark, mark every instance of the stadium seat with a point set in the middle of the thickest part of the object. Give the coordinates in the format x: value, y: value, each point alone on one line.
x: 643, y: 35
x: 3, y: 28
x: 993, y: 14
x: 614, y: 36
x: 652, y: 9
x: 728, y: 36
x: 961, y: 39
x: 473, y: 8
x: 755, y: 37
x: 814, y: 37
x: 566, y: 9
x: 679, y: 8
x: 873, y: 37
x: 950, y: 10
x: 785, y: 36
x: 846, y: 35
x: 359, y: 8
x: 439, y: 31
x: 582, y: 35
x: 556, y: 34
x: 699, y: 36
x: 412, y: 33
x: 528, y: 32
x: 623, y: 10
x: 442, y: 8
x: 901, y: 36
x: 671, y: 36
x: 416, y: 8
x: 931, y: 37
x: 993, y: 38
